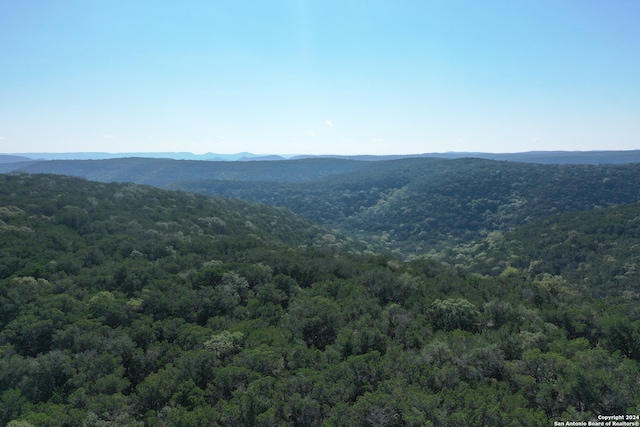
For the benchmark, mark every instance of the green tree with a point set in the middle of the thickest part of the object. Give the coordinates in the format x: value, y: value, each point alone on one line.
x: 454, y: 313
x: 315, y: 319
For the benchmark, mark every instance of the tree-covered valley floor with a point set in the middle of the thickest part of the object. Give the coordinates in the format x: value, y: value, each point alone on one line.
x: 129, y: 305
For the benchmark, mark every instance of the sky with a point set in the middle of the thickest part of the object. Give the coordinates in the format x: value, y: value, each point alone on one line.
x: 319, y: 77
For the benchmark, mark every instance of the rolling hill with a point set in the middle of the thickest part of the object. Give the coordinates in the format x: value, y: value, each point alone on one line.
x: 123, y: 304
x: 418, y: 206
x: 162, y: 172
x: 596, y: 251
x: 412, y: 206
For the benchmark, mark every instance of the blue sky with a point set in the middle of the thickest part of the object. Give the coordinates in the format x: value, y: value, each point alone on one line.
x: 319, y: 77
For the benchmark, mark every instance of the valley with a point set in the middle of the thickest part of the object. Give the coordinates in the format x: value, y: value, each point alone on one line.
x: 405, y: 292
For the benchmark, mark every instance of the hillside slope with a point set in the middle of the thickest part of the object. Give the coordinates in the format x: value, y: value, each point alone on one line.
x: 415, y: 206
x: 129, y: 305
x: 597, y: 251
x: 64, y: 214
x: 161, y: 172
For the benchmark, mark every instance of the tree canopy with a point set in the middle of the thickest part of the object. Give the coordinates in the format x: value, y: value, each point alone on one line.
x: 129, y: 305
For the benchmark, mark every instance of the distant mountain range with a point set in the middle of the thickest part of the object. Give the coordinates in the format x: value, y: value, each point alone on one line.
x: 546, y: 157
x: 244, y: 156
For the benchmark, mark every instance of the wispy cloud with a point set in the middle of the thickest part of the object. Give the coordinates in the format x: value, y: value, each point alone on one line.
x: 377, y: 140
x: 329, y: 123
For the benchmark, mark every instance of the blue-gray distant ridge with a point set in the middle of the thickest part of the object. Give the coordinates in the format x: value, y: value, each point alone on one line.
x: 543, y: 157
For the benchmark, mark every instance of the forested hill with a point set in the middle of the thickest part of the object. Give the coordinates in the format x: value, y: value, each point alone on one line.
x: 89, y: 207
x: 161, y: 172
x: 415, y: 206
x: 129, y: 305
x: 597, y: 251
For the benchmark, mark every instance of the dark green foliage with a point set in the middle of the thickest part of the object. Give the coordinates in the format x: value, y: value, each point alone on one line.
x: 315, y: 319
x: 160, y: 172
x: 454, y: 313
x: 412, y: 206
x: 416, y: 205
x: 128, y: 305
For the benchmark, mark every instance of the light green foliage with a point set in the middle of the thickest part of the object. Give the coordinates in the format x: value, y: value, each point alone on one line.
x: 510, y: 272
x: 19, y: 424
x: 225, y: 343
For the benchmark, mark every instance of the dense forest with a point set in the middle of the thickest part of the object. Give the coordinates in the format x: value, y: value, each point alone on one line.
x: 162, y: 172
x: 596, y: 250
x: 424, y: 206
x: 413, y: 207
x: 129, y: 305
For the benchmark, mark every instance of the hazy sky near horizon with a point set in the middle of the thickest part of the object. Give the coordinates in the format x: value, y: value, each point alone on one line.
x: 319, y: 77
